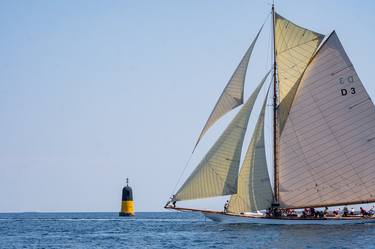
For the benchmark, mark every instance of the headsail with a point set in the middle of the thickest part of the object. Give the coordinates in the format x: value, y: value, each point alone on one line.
x: 327, y: 148
x: 217, y: 173
x: 232, y: 95
x: 294, y: 46
x: 254, y: 187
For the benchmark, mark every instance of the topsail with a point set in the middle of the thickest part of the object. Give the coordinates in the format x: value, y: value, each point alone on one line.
x: 232, y: 95
x: 295, y: 47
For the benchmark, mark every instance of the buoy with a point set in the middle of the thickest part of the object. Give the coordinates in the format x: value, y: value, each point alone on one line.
x: 127, y: 205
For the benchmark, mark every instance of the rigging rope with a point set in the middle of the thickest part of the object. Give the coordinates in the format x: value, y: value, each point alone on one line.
x: 183, y: 171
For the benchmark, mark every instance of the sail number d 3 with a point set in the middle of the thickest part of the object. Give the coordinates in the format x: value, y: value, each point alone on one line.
x: 345, y: 91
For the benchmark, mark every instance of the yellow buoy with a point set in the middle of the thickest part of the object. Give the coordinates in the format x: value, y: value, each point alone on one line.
x: 127, y: 205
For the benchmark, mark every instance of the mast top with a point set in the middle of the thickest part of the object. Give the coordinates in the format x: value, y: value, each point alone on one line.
x: 127, y: 182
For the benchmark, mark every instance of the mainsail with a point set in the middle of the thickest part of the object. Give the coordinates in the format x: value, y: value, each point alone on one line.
x: 254, y: 187
x: 232, y: 95
x: 217, y: 173
x: 327, y: 148
x: 294, y: 47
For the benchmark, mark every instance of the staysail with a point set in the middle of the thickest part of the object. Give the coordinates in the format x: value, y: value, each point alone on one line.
x: 232, y: 95
x: 327, y: 148
x: 254, y: 187
x: 294, y: 46
x: 217, y: 173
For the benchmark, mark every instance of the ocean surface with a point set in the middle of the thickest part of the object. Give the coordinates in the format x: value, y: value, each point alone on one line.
x: 168, y: 230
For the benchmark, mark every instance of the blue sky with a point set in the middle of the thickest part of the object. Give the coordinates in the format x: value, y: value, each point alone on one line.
x: 92, y: 92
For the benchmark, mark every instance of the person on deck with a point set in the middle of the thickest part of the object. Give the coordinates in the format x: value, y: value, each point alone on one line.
x: 346, y: 211
x: 362, y: 211
x: 321, y: 214
x: 325, y: 211
x: 352, y: 211
x: 226, y: 205
x: 312, y: 212
x: 372, y: 210
x: 337, y: 211
x: 173, y: 200
x: 305, y: 213
x: 169, y: 203
x: 290, y: 212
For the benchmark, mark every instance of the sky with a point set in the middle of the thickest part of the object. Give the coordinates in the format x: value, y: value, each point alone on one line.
x: 93, y: 92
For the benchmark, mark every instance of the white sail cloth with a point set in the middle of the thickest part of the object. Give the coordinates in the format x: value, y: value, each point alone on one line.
x: 217, y: 173
x: 254, y: 187
x: 295, y: 47
x: 232, y: 95
x: 327, y: 148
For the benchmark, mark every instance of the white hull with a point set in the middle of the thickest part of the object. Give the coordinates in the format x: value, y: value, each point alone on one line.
x: 236, y: 219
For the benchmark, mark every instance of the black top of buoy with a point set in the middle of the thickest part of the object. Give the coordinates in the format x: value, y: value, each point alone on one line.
x: 127, y: 192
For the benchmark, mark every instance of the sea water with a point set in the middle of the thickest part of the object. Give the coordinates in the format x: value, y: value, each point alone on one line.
x: 169, y: 230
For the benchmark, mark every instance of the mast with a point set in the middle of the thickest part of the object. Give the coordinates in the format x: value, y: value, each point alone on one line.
x: 275, y: 137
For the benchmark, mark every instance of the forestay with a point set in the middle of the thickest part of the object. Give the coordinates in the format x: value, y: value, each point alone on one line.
x: 254, y: 187
x: 327, y: 148
x: 217, y: 173
x: 295, y: 47
x: 232, y: 95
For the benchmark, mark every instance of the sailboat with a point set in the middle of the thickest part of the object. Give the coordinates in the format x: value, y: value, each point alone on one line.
x: 323, y: 149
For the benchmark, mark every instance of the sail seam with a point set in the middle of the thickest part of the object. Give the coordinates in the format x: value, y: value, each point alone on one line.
x: 305, y: 159
x: 313, y: 141
x: 299, y: 45
x: 312, y: 124
x: 224, y: 180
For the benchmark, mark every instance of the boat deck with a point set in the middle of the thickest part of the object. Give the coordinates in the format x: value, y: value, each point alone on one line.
x: 209, y: 214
